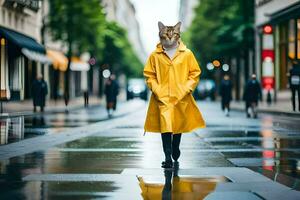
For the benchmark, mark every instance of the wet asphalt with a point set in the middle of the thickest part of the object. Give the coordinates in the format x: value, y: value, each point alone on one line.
x: 97, y: 166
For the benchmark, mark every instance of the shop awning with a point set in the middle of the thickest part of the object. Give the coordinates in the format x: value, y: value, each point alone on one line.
x: 36, y: 56
x: 290, y: 12
x: 28, y: 46
x: 79, y: 65
x: 21, y: 40
x: 59, y: 60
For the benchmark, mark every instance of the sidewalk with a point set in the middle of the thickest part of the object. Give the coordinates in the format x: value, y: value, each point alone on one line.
x: 25, y: 107
x: 283, y: 105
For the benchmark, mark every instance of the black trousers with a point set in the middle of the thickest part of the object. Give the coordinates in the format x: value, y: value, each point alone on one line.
x: 294, y: 91
x: 171, y: 144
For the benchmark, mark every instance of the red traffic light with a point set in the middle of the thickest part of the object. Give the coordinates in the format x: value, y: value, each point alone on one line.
x: 268, y: 29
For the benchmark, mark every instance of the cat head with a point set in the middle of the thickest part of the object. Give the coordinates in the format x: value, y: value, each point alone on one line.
x: 169, y: 35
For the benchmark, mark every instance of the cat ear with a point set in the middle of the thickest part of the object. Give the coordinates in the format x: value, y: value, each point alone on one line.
x: 177, y: 26
x: 161, y: 26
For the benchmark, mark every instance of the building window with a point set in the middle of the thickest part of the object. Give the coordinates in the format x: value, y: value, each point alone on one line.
x: 291, y: 39
x: 16, y: 21
x: 4, y: 16
x: 298, y: 38
x: 9, y: 18
x: 22, y: 23
x: 3, y: 68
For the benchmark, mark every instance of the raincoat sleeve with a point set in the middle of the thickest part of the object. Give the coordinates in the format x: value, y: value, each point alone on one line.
x: 193, y: 77
x: 151, y: 76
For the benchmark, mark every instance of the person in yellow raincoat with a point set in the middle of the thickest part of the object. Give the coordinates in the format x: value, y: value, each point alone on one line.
x: 172, y: 73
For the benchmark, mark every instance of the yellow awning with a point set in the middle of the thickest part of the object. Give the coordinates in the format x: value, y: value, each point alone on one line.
x: 79, y: 65
x: 59, y: 60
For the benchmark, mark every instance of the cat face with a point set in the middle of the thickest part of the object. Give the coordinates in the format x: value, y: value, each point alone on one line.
x: 169, y: 35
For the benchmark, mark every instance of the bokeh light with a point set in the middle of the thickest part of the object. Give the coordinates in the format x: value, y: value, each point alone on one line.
x: 216, y: 63
x: 106, y: 73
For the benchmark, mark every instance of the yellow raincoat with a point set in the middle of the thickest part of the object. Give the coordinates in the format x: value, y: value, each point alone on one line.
x: 172, y: 107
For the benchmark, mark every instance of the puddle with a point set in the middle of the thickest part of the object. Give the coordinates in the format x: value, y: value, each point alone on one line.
x: 19, y: 128
x: 172, y: 186
x: 101, y: 142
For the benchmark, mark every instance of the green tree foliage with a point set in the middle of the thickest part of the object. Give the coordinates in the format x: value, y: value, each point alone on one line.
x: 82, y: 26
x: 221, y: 29
x: 77, y: 23
x: 118, y: 54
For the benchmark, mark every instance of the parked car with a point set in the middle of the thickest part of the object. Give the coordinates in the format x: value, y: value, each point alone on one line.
x: 136, y: 87
x: 206, y: 88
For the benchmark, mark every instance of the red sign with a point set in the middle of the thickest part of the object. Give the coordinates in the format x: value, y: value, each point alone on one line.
x: 268, y: 29
x: 268, y: 83
x: 267, y: 53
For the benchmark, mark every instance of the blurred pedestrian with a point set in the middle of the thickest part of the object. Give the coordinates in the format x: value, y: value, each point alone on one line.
x: 252, y: 94
x: 294, y: 81
x: 86, y: 98
x: 172, y: 73
x: 111, y: 92
x: 39, y: 93
x: 225, y: 92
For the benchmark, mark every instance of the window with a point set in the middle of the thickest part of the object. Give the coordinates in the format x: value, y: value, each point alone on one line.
x: 3, y: 68
x: 298, y: 38
x: 3, y: 16
x: 9, y: 18
x: 291, y: 39
x: 16, y: 21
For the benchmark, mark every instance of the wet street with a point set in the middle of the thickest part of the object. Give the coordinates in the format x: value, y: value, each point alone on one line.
x: 85, y: 155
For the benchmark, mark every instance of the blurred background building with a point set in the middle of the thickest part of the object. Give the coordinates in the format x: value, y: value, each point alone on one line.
x: 21, y: 53
x: 277, y: 40
x: 187, y: 12
x: 123, y: 12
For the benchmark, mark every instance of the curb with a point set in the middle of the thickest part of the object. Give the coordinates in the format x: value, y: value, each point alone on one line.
x: 273, y: 112
x: 31, y: 113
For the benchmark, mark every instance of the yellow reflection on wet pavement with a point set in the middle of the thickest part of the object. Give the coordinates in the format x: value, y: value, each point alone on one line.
x: 175, y: 187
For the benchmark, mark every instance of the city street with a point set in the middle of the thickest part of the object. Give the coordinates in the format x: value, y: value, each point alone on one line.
x: 85, y: 155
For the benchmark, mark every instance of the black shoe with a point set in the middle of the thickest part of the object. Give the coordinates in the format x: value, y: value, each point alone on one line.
x: 167, y: 164
x: 176, y: 165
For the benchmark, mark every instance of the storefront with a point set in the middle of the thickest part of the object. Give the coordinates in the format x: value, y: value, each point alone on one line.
x: 277, y: 40
x: 287, y: 41
x: 21, y: 59
x: 78, y: 76
x: 57, y: 73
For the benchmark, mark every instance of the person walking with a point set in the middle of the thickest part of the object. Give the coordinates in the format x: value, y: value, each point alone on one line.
x: 111, y: 92
x: 225, y: 93
x: 39, y: 93
x: 86, y: 97
x: 294, y: 81
x: 252, y: 94
x: 172, y: 73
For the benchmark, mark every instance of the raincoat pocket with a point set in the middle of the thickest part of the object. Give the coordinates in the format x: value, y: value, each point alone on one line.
x: 182, y: 105
x: 182, y: 91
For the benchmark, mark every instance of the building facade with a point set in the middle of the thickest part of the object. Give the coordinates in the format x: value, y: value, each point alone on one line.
x: 186, y: 12
x: 277, y: 25
x: 123, y: 12
x: 21, y: 54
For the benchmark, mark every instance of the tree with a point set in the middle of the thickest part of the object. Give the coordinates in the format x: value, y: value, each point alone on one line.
x: 222, y: 30
x: 118, y: 54
x: 79, y: 24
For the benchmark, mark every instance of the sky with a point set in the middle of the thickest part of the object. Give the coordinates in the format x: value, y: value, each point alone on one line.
x: 148, y: 13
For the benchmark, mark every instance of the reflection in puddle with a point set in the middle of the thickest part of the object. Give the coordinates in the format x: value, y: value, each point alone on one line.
x: 11, y: 130
x: 18, y: 128
x: 173, y: 186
